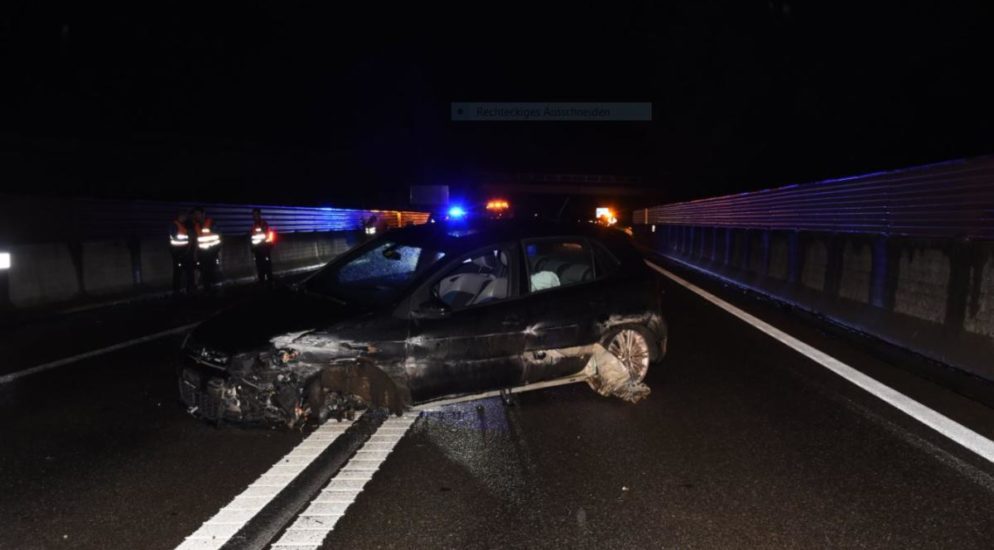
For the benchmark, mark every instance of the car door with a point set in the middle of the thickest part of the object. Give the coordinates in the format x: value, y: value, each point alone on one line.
x: 467, y: 327
x: 564, y: 302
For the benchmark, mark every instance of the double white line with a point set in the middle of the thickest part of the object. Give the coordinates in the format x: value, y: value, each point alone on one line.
x: 310, y: 528
x: 313, y: 525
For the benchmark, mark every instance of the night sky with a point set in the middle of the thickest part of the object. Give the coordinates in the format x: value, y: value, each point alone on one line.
x: 264, y: 102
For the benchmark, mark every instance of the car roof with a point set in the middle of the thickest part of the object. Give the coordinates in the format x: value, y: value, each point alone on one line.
x: 456, y: 238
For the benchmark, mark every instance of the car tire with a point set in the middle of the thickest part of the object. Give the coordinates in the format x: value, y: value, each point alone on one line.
x: 658, y: 358
x: 632, y: 346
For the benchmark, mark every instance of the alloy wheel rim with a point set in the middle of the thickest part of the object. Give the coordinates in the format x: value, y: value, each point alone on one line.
x: 631, y: 348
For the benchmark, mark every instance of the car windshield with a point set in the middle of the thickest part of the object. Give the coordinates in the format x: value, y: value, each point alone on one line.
x: 375, y: 276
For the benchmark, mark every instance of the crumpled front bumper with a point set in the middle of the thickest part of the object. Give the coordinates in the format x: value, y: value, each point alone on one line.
x: 266, y: 396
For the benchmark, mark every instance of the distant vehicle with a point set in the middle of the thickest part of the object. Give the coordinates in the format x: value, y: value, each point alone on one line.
x: 430, y: 312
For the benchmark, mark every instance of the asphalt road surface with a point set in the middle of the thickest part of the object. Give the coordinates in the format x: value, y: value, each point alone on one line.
x: 743, y: 443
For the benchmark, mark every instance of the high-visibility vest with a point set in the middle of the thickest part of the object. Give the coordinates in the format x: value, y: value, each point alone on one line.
x: 179, y: 237
x: 206, y: 237
x: 262, y: 234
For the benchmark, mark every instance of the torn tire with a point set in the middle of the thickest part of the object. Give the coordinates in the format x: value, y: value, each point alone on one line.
x: 609, y: 376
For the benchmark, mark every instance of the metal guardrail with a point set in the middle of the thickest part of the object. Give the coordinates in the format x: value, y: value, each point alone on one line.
x: 946, y: 200
x: 32, y: 219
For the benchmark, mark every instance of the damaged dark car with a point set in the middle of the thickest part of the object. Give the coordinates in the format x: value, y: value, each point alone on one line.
x: 431, y: 312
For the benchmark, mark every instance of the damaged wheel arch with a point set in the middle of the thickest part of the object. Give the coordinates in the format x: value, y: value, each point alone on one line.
x: 342, y: 387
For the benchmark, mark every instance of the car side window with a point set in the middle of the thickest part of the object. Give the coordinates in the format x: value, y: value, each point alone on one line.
x: 558, y: 262
x: 483, y: 277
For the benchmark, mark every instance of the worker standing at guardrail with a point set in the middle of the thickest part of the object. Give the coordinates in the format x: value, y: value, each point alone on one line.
x: 182, y: 250
x: 208, y: 248
x: 263, y: 238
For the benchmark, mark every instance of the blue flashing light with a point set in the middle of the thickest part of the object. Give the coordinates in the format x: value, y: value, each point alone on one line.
x: 457, y: 213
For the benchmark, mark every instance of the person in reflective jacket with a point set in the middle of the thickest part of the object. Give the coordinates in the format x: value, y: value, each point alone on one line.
x: 182, y: 250
x: 262, y: 238
x: 208, y: 247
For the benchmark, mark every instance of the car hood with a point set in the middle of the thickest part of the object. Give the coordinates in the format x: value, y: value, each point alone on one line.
x: 253, y: 323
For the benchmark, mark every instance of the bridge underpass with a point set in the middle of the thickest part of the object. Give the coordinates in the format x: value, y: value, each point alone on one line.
x: 746, y: 440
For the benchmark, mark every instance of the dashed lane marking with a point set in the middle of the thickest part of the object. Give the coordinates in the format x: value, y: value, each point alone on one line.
x: 319, y: 518
x: 216, y: 531
x: 927, y: 416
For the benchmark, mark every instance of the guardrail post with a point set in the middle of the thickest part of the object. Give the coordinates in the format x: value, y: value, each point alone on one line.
x: 699, y: 249
x: 764, y: 239
x: 746, y: 248
x: 701, y: 234
x: 714, y: 244
x: 879, y: 272
x: 729, y: 245
x: 718, y: 253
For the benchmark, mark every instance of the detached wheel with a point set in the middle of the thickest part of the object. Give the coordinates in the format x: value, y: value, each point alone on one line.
x: 630, y: 346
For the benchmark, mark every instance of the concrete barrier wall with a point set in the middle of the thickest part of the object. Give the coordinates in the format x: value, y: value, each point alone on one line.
x: 45, y: 275
x: 42, y: 273
x: 156, y: 263
x: 236, y: 258
x: 107, y: 268
x: 854, y: 278
x: 933, y: 296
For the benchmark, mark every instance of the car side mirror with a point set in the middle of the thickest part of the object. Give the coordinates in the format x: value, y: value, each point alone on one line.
x: 433, y: 309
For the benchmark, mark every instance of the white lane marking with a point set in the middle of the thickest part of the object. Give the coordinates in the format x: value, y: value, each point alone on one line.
x: 58, y: 363
x: 314, y: 523
x: 216, y: 531
x: 931, y: 418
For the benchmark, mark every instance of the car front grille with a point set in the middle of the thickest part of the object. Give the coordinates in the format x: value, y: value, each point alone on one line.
x: 202, y: 396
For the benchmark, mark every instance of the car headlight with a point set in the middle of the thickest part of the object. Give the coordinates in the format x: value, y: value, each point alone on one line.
x: 205, y: 353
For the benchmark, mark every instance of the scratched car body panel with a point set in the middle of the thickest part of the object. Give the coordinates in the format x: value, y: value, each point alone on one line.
x: 432, y: 312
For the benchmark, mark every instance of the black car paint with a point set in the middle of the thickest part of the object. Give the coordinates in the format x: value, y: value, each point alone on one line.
x: 431, y: 353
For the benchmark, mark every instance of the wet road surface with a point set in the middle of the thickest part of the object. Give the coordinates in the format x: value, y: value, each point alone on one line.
x: 743, y: 443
